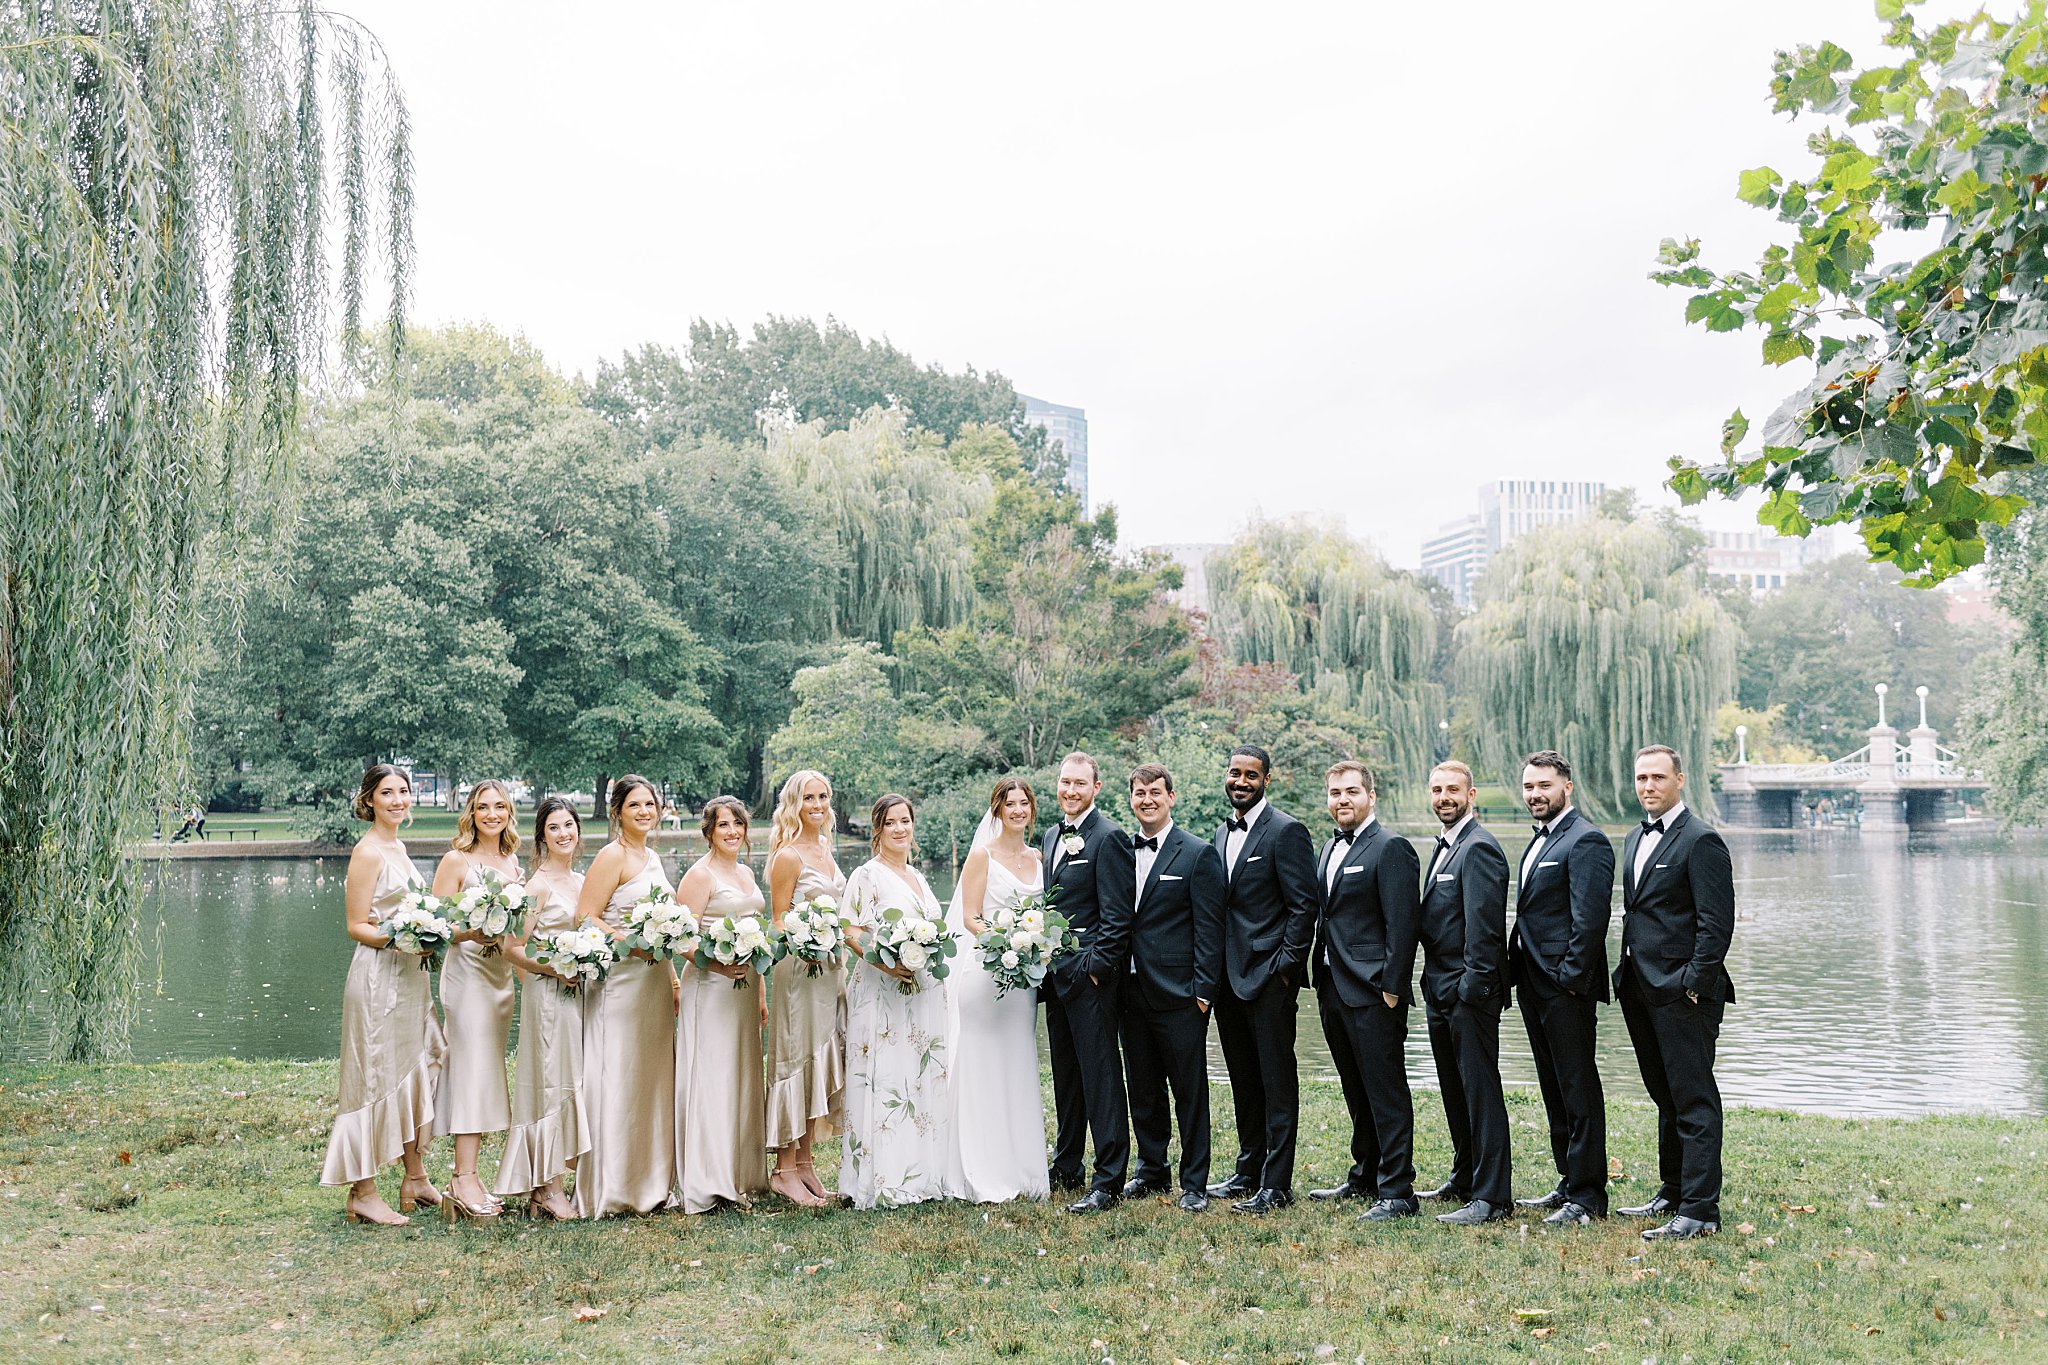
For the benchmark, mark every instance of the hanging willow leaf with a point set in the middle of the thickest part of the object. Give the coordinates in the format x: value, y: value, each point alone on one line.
x: 161, y: 281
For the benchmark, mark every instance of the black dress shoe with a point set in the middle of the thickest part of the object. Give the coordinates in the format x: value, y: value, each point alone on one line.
x: 1095, y: 1201
x: 1228, y: 1189
x: 1570, y: 1215
x: 1265, y: 1201
x: 1060, y: 1180
x: 1554, y: 1200
x: 1144, y: 1189
x: 1476, y: 1213
x: 1194, y: 1201
x: 1387, y: 1210
x: 1347, y: 1190
x: 1660, y: 1207
x: 1680, y: 1228
x: 1446, y: 1191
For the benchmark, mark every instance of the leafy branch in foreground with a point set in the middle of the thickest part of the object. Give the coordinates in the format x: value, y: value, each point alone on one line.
x: 1930, y: 375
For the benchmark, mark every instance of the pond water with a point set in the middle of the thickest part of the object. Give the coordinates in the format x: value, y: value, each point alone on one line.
x: 1875, y: 976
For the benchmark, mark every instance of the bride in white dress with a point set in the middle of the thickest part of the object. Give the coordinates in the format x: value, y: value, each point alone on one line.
x: 998, y: 1127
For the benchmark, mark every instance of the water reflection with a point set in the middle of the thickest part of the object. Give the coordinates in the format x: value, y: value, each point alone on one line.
x: 1875, y: 977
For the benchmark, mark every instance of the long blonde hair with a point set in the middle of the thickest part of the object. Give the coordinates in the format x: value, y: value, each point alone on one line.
x: 788, y: 826
x: 465, y: 824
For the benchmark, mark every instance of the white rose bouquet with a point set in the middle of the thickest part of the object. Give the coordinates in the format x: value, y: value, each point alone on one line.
x: 494, y: 909
x: 665, y: 930
x: 914, y: 941
x: 419, y: 927
x: 730, y: 942
x: 813, y: 933
x: 1021, y: 942
x: 583, y: 955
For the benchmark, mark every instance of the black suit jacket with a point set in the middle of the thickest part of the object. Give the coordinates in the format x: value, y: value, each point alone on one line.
x: 1270, y: 917
x: 1676, y: 923
x: 1177, y: 932
x: 1365, y: 940
x: 1096, y: 888
x: 1464, y: 922
x: 1562, y: 908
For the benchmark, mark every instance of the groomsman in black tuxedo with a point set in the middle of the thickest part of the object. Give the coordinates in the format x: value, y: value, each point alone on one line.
x: 1269, y: 921
x: 1363, y: 959
x: 1678, y: 916
x: 1557, y: 959
x: 1088, y: 858
x: 1464, y: 990
x: 1175, y: 974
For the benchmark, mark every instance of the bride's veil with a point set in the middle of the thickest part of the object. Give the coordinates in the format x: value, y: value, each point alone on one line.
x: 984, y: 833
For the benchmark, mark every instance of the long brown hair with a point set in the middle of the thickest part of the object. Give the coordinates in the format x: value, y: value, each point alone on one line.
x: 707, y: 819
x: 465, y: 824
x: 884, y: 804
x: 1006, y: 785
x: 364, y: 807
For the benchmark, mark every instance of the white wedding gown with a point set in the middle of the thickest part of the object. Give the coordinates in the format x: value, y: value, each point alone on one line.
x: 998, y: 1127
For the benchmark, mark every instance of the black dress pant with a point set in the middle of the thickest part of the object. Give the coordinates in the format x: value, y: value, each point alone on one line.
x: 1265, y: 1091
x: 1167, y: 1049
x: 1675, y: 1048
x: 1369, y: 1045
x: 1081, y: 1032
x: 1465, y: 1041
x: 1561, y: 1035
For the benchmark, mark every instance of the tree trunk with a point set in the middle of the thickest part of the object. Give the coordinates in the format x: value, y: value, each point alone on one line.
x: 598, y: 795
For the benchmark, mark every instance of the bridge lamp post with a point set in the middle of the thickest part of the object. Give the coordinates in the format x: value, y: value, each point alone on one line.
x: 1742, y: 744
x: 1921, y: 692
x: 1881, y: 690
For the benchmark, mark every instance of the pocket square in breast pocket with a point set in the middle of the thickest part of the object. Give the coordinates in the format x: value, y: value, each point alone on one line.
x: 1077, y: 862
x: 1353, y: 871
x: 1170, y: 877
x: 1546, y: 864
x: 1446, y: 877
x: 1256, y: 858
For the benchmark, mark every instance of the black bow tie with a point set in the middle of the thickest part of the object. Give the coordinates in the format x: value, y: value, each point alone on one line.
x: 1151, y: 843
x: 1065, y: 830
x: 1653, y: 826
x: 1345, y: 836
x: 1237, y: 822
x: 1442, y: 842
x: 1540, y: 831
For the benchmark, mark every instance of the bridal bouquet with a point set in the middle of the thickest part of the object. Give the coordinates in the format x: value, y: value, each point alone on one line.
x: 583, y: 955
x: 730, y: 942
x: 813, y: 932
x: 1022, y: 940
x: 665, y: 930
x: 913, y: 941
x: 418, y: 926
x: 494, y: 909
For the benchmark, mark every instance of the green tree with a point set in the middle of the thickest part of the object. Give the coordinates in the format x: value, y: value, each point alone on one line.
x: 163, y: 281
x: 1328, y: 609
x: 2003, y: 728
x: 1594, y: 638
x: 1929, y: 376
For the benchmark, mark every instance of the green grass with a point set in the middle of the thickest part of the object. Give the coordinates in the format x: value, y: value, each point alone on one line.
x: 170, y: 1212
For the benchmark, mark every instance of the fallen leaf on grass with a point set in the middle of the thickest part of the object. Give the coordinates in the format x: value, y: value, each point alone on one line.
x: 586, y: 1313
x: 810, y: 1269
x: 1532, y: 1314
x: 1597, y: 1347
x: 1799, y: 1208
x: 696, y: 1265
x: 1941, y: 1315
x: 1872, y: 1331
x: 277, y: 1325
x: 1745, y: 1228
x: 125, y: 1158
x: 1541, y: 1331
x: 1254, y: 1308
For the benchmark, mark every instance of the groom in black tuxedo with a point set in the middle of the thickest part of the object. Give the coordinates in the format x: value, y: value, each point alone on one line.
x: 1176, y: 972
x: 1088, y: 861
x: 1269, y: 921
x: 1677, y: 920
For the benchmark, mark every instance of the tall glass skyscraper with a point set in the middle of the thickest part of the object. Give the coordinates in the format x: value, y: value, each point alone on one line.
x: 1069, y: 427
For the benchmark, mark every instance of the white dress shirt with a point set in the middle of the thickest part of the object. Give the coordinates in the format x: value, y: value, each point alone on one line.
x: 1233, y: 840
x: 1450, y: 837
x: 1059, y: 855
x: 1340, y: 852
x: 1147, y: 856
x: 1536, y: 844
x: 1647, y: 845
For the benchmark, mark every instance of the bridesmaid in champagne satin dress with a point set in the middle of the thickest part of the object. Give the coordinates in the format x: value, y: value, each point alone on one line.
x: 477, y: 994
x: 806, y: 1011
x: 549, y: 1130
x: 720, y: 1157
x: 629, y: 1032
x: 390, y: 1042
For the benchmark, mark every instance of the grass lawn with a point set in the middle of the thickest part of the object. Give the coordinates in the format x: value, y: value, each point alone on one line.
x: 169, y: 1213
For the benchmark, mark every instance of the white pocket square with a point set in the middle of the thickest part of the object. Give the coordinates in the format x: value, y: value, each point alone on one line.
x: 1445, y: 877
x: 1546, y: 864
x: 1660, y: 864
x: 1256, y: 857
x: 1077, y: 862
x: 1170, y: 877
x: 1353, y: 871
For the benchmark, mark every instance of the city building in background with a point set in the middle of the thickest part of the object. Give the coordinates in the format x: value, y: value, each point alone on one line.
x: 1457, y: 553
x: 1193, y: 559
x: 1761, y: 560
x: 1069, y: 427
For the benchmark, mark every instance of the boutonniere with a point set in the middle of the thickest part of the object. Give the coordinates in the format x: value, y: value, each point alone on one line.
x: 1071, y: 844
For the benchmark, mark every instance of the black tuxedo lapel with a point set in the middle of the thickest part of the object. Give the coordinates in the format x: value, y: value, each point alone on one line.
x: 1169, y: 852
x: 1047, y: 848
x: 1628, y: 865
x: 1431, y: 870
x: 1631, y: 888
x: 1558, y: 831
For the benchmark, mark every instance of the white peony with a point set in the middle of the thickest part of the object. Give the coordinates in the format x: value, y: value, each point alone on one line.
x: 471, y: 899
x: 1010, y: 960
x: 1033, y: 920
x: 1020, y: 940
x: 515, y: 895
x: 797, y: 931
x: 824, y: 902
x: 1006, y: 918
x: 913, y: 955
x: 925, y: 931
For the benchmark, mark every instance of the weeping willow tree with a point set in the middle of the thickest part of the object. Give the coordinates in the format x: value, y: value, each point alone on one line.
x: 1594, y: 639
x: 164, y: 221
x: 1327, y: 608
x: 905, y: 521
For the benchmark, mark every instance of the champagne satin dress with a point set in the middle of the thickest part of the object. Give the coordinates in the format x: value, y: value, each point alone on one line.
x: 807, y: 1036
x: 477, y: 994
x: 548, y: 1129
x: 720, y: 1158
x: 391, y: 1047
x: 629, y: 1074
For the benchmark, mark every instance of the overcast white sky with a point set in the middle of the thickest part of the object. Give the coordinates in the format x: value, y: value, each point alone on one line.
x: 1335, y: 258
